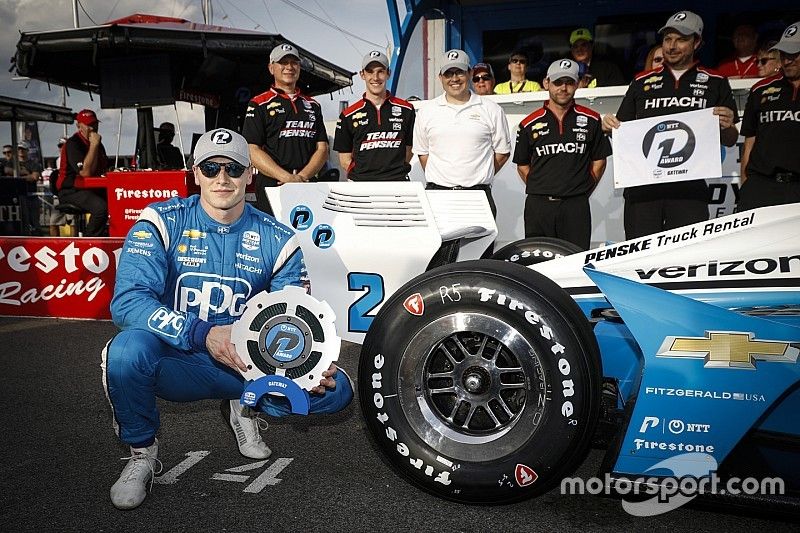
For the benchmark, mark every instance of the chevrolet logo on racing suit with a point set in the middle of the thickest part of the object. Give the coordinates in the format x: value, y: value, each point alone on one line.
x: 194, y: 234
x: 724, y: 349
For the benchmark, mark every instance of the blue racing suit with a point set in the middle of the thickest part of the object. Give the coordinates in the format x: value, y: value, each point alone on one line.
x: 180, y: 273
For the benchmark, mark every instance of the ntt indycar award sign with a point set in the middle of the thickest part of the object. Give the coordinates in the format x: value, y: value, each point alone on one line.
x: 286, y: 339
x: 679, y: 147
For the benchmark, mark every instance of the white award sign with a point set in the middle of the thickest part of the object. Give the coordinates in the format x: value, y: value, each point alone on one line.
x: 669, y: 148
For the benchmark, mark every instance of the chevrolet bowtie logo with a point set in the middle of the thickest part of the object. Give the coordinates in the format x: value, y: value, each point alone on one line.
x: 725, y: 349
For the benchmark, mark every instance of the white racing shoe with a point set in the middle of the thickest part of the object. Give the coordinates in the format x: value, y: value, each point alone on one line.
x: 130, y: 489
x: 246, y: 426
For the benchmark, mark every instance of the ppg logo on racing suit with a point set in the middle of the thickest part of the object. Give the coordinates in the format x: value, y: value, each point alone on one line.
x: 166, y: 322
x: 211, y: 296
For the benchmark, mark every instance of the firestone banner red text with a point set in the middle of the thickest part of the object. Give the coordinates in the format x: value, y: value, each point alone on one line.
x: 58, y: 277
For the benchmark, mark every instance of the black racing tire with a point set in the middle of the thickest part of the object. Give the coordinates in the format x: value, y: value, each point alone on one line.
x: 479, y: 396
x: 535, y: 250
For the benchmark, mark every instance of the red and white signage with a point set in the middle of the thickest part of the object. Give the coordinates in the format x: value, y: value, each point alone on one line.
x: 130, y: 192
x: 58, y: 277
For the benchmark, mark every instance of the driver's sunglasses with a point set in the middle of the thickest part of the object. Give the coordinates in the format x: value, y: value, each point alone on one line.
x: 211, y: 168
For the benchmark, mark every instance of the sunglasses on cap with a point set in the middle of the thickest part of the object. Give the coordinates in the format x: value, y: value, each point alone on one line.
x: 485, y: 77
x: 211, y: 168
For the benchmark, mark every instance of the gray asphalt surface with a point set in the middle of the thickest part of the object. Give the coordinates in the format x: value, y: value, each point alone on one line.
x: 60, y: 457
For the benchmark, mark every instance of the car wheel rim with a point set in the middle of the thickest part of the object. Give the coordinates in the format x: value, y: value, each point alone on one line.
x: 476, y: 379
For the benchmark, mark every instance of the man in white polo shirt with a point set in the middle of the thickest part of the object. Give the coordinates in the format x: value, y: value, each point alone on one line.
x: 461, y: 138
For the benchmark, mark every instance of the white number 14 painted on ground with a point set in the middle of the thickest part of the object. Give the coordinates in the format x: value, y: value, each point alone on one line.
x: 267, y: 477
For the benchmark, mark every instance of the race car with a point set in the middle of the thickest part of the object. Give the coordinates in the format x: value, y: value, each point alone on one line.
x: 487, y: 381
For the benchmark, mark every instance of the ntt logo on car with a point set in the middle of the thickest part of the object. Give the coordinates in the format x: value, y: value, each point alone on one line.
x: 674, y: 426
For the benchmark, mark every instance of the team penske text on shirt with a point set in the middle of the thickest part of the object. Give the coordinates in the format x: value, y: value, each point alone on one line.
x: 298, y: 128
x: 381, y: 139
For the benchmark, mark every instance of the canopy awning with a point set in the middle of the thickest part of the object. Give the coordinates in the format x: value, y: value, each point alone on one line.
x: 14, y: 110
x: 194, y: 60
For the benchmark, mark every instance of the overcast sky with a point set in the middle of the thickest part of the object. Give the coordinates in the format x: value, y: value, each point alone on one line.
x: 367, y: 19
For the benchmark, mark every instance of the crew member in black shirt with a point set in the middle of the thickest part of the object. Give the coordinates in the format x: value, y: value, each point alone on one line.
x: 169, y: 156
x: 284, y: 129
x: 84, y: 155
x: 561, y: 155
x: 374, y: 135
x: 771, y: 128
x: 678, y: 85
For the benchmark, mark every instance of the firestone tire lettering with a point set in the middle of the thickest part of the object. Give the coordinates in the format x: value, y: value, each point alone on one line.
x: 535, y: 250
x: 551, y: 397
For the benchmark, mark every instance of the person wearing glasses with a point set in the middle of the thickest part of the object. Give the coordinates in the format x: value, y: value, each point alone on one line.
x: 187, y: 268
x: 374, y: 135
x: 769, y: 60
x: 517, y: 68
x: 483, y: 79
x: 560, y: 154
x: 461, y: 138
x: 679, y: 84
x: 770, y: 172
x: 284, y: 128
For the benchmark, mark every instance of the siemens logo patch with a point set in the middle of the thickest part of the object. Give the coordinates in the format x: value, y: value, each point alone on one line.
x: 714, y: 268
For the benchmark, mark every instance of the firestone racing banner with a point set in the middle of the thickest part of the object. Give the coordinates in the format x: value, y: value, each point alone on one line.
x: 58, y: 277
x: 679, y: 147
